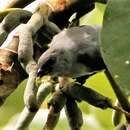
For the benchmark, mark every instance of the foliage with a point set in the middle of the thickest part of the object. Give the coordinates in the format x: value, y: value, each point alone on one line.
x: 115, y: 48
x: 102, y: 118
x: 98, y: 82
x: 115, y: 41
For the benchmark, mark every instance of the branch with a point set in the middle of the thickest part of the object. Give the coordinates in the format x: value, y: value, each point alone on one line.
x: 120, y: 95
x: 52, y: 119
x: 80, y: 93
x: 116, y: 115
x: 11, y: 21
x: 74, y: 114
x: 27, y: 116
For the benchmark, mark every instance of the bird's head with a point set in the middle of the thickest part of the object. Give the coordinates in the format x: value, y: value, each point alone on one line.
x: 54, y: 63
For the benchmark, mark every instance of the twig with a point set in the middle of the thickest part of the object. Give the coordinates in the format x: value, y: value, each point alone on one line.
x: 116, y: 115
x: 74, y: 114
x: 120, y: 95
x: 11, y: 21
x: 55, y: 105
x: 79, y: 92
x: 27, y: 116
x: 52, y: 119
x: 117, y: 108
x: 25, y: 56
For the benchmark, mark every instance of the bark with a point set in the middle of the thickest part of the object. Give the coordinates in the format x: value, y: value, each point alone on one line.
x: 119, y: 94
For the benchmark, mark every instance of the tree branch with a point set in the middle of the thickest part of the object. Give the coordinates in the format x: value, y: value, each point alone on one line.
x: 119, y: 94
x: 27, y: 116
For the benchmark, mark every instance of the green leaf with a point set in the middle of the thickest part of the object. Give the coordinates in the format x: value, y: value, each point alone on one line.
x: 115, y: 41
x: 95, y: 16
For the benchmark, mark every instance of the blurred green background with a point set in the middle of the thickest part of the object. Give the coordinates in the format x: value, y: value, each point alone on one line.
x: 94, y: 118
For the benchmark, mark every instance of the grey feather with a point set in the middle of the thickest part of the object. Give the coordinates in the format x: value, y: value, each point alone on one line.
x: 76, y: 52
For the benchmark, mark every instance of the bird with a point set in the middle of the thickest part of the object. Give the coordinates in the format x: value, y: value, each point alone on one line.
x: 74, y: 52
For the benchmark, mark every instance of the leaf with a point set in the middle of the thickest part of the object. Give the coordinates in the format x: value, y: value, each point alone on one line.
x: 115, y: 41
x: 95, y: 16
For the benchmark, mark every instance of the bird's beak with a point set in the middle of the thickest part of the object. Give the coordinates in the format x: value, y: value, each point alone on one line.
x: 40, y: 73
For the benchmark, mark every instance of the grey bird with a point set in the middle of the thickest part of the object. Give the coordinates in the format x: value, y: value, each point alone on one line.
x: 74, y: 52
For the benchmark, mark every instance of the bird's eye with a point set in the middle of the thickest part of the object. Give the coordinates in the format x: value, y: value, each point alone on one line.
x: 51, y: 60
x: 49, y: 63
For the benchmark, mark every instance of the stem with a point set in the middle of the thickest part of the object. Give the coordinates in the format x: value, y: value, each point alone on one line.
x: 24, y: 45
x: 27, y: 116
x: 52, y: 119
x: 24, y: 120
x: 55, y: 106
x: 117, y: 108
x: 12, y: 20
x: 94, y: 98
x: 120, y: 95
x: 74, y: 114
x: 116, y: 115
x: 80, y: 93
